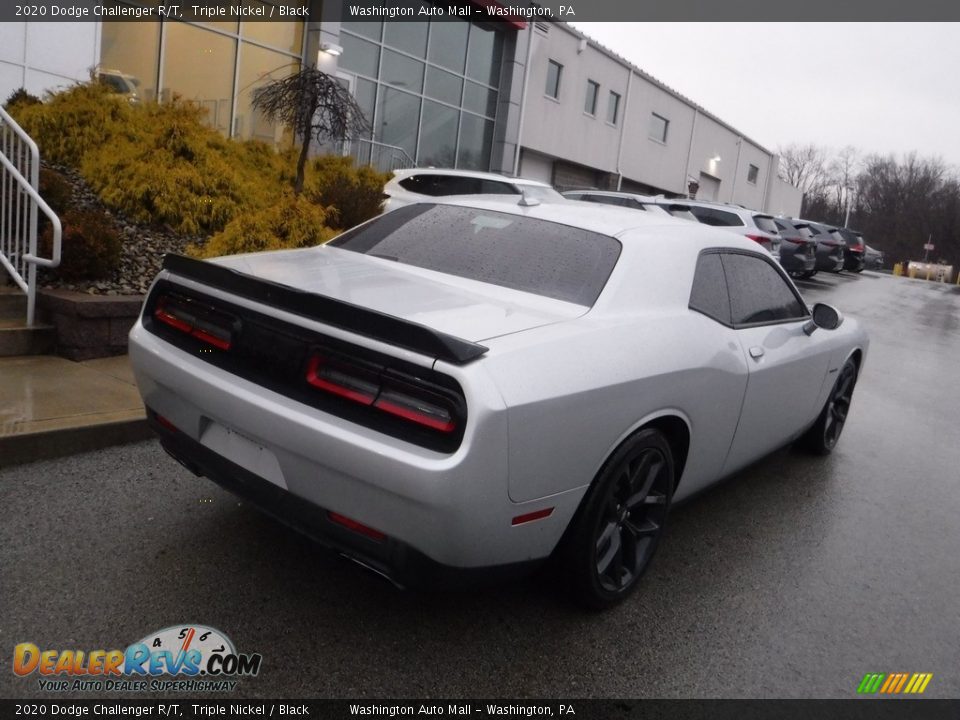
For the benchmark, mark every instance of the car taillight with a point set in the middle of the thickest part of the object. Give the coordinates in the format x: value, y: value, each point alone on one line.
x: 372, y: 386
x: 857, y: 248
x: 759, y: 239
x: 357, y: 527
x: 196, y: 319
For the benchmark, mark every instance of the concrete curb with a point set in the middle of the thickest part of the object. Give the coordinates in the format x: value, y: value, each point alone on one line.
x: 46, y: 445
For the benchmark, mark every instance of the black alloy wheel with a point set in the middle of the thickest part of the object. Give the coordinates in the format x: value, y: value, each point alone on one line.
x: 620, y: 526
x: 823, y: 436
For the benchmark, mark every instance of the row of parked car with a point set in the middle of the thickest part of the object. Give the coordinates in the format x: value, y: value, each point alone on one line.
x: 803, y: 247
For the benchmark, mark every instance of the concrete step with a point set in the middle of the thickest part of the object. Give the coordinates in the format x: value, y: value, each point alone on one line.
x: 13, y: 303
x: 17, y: 339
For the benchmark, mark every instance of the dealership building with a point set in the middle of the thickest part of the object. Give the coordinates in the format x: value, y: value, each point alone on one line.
x: 536, y: 99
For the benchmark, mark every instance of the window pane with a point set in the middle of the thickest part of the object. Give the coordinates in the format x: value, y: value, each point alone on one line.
x: 765, y: 222
x: 613, y: 108
x: 371, y: 30
x: 198, y: 66
x: 359, y: 56
x: 133, y: 49
x: 553, y: 79
x: 401, y: 71
x: 398, y: 115
x: 448, y: 44
x: 438, y: 136
x: 409, y: 36
x: 480, y: 99
x: 257, y: 68
x: 658, y: 127
x: 709, y: 293
x: 444, y: 86
x: 590, y: 101
x: 476, y: 140
x: 535, y: 256
x: 752, y: 172
x: 281, y: 35
x: 483, y: 61
x: 758, y: 293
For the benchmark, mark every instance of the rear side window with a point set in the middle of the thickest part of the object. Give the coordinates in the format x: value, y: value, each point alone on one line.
x: 535, y: 256
x: 614, y: 200
x: 680, y: 211
x: 758, y: 292
x: 442, y: 185
x: 717, y: 218
x: 709, y: 294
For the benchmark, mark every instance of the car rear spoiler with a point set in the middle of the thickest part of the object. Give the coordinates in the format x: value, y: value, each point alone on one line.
x: 330, y: 311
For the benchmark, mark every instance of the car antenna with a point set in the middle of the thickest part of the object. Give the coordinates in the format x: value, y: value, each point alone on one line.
x: 526, y: 200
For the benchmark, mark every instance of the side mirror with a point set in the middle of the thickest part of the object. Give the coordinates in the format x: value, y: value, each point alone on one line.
x: 824, y: 316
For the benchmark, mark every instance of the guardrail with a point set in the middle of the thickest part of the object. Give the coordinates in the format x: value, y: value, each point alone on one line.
x: 19, y: 203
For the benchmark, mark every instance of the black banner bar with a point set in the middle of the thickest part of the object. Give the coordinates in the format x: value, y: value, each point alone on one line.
x: 854, y: 709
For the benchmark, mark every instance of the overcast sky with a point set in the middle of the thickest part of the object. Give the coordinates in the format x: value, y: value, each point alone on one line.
x: 882, y: 87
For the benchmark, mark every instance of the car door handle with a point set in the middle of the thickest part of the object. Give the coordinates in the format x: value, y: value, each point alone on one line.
x: 756, y: 352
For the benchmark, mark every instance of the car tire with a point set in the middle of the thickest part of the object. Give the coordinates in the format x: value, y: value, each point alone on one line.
x: 822, y: 438
x: 620, y: 523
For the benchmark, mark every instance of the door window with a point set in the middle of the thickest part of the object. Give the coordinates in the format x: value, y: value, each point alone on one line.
x: 758, y: 292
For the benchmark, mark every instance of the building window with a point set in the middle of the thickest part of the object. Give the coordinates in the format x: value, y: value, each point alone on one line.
x: 554, y: 71
x: 752, y: 172
x: 658, y: 128
x: 590, y: 101
x: 613, y: 108
x: 429, y: 88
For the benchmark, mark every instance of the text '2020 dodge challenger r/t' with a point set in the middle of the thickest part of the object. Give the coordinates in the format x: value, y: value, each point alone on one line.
x: 463, y: 389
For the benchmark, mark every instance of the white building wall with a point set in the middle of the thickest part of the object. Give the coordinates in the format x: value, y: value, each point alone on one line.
x: 42, y: 56
x: 783, y: 198
x: 560, y: 127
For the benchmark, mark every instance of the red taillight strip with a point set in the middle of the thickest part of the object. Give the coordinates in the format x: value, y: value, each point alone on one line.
x: 530, y: 517
x: 164, y: 315
x: 759, y: 239
x: 414, y: 416
x: 382, y: 394
x: 313, y: 377
x: 165, y: 423
x: 357, y: 527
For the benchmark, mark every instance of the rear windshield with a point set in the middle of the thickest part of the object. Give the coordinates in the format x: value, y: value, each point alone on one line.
x: 536, y: 256
x: 440, y: 185
x: 765, y: 222
x: 717, y: 218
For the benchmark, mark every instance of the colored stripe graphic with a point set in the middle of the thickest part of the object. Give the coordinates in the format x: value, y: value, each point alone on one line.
x: 894, y: 683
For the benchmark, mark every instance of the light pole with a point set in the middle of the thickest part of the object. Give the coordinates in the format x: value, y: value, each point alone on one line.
x: 846, y: 220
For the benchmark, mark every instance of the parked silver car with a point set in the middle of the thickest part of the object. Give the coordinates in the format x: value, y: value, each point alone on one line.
x: 457, y: 390
x: 751, y: 224
x: 649, y: 203
x: 426, y: 184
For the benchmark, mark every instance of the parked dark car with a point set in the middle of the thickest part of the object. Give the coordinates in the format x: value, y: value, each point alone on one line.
x: 830, y: 247
x: 872, y: 258
x: 853, y: 253
x: 798, y: 249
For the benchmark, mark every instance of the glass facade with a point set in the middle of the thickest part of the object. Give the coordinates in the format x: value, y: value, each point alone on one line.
x: 217, y: 65
x: 428, y: 88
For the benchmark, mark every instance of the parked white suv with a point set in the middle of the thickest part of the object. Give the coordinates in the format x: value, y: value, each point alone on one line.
x: 649, y: 203
x: 422, y: 184
x: 756, y: 226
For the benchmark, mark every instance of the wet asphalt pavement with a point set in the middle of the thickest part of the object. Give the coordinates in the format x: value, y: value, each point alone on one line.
x: 793, y: 579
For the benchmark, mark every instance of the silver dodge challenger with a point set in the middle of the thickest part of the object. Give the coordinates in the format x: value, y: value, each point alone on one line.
x: 460, y: 390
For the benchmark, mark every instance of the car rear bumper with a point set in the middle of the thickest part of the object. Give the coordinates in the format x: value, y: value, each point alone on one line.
x: 830, y: 259
x: 393, y: 559
x: 452, y: 508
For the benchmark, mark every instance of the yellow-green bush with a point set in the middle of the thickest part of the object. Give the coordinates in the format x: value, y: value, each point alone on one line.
x: 19, y: 97
x: 90, y: 247
x: 161, y: 164
x: 292, y: 222
x: 73, y: 122
x: 356, y: 193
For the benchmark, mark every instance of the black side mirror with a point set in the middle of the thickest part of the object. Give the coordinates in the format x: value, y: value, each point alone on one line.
x: 824, y: 316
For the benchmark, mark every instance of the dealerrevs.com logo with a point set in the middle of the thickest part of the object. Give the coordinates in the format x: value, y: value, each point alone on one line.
x: 180, y: 658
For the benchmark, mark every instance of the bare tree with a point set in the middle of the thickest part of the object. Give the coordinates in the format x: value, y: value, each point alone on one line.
x: 316, y: 106
x: 804, y: 167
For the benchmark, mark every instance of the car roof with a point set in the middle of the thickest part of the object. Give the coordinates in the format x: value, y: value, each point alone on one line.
x: 407, y: 172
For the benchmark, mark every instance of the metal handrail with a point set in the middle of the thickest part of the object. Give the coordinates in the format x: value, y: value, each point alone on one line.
x: 398, y: 158
x: 18, y: 221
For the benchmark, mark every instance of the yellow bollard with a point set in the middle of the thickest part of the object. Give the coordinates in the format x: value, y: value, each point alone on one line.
x: 897, y: 269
